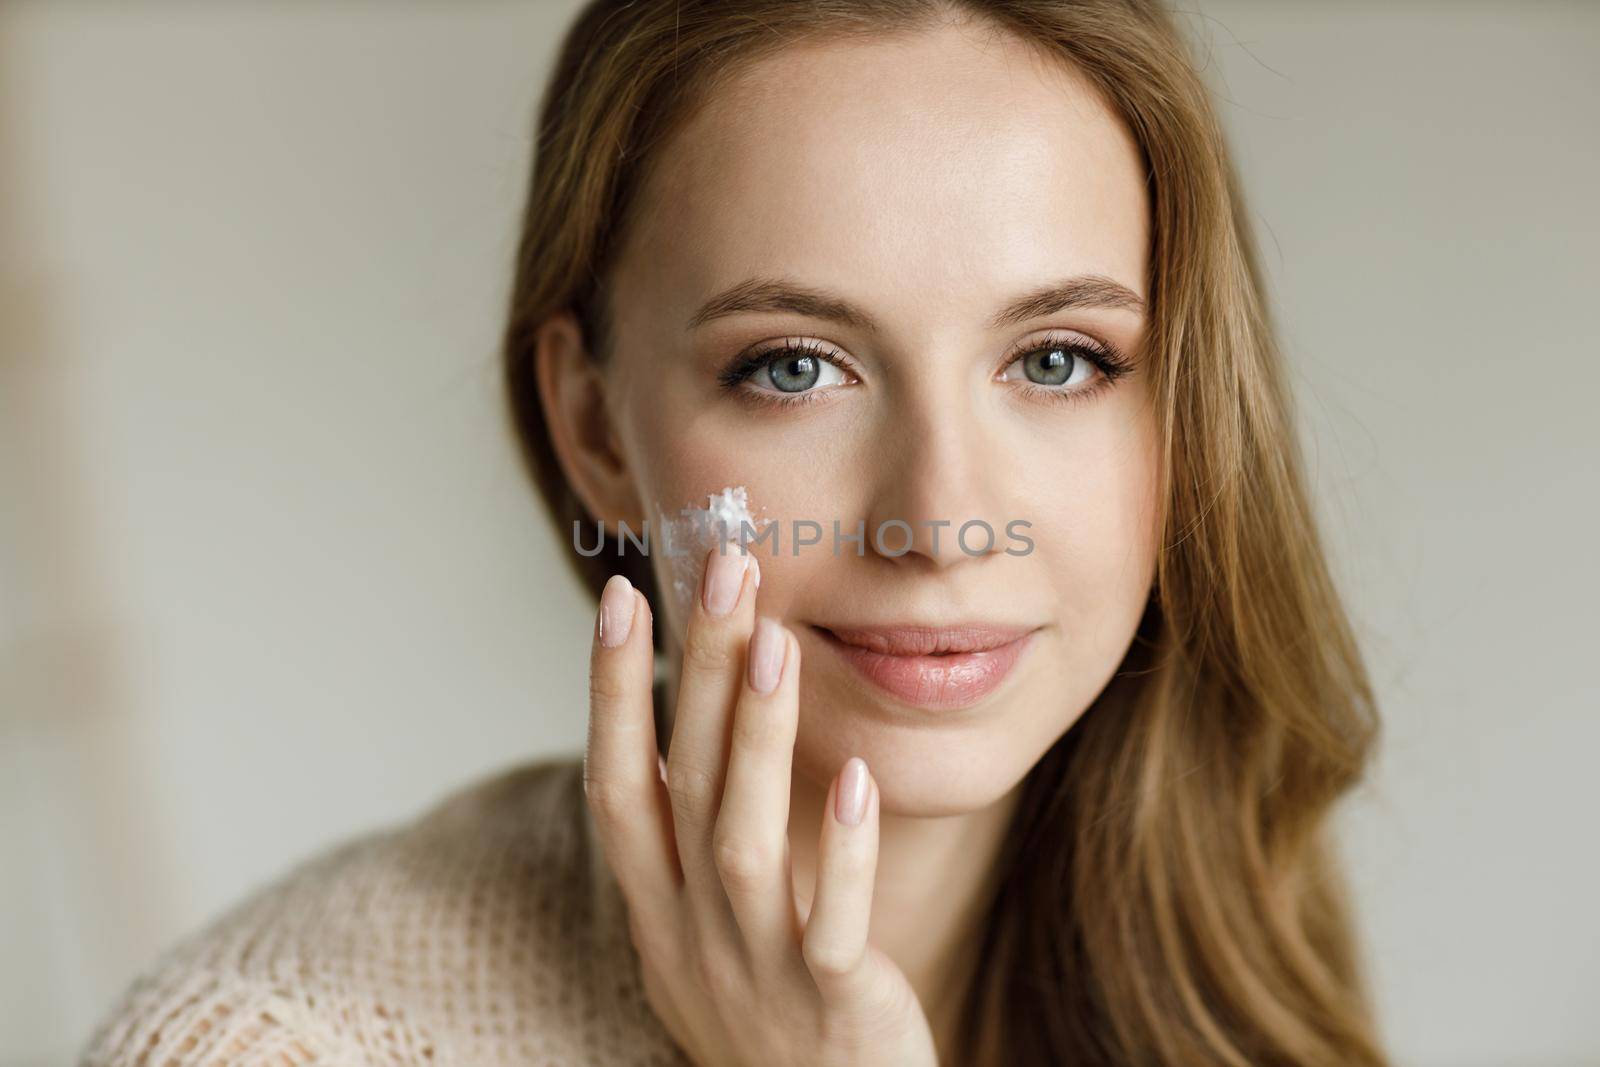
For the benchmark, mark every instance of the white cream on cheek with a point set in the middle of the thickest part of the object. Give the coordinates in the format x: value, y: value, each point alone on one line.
x: 689, y: 535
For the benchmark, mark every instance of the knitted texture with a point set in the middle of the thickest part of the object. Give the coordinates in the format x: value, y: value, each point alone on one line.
x: 487, y: 931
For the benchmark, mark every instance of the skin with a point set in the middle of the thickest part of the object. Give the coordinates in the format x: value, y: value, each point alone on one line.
x: 930, y: 179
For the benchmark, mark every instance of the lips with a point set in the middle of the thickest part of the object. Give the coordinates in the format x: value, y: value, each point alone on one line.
x: 931, y: 667
x: 928, y: 640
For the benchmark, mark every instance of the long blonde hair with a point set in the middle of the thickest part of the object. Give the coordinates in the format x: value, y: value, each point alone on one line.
x: 1166, y: 893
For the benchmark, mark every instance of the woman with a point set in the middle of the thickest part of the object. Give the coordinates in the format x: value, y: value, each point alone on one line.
x: 906, y: 271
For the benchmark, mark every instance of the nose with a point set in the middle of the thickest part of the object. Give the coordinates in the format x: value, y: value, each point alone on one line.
x: 941, y: 485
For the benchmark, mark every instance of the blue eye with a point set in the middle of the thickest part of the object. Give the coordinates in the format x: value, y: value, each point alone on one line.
x: 793, y: 373
x: 1051, y: 365
x: 1058, y: 368
x: 789, y: 372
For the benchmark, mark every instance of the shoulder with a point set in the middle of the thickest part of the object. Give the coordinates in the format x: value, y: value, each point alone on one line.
x: 486, y: 930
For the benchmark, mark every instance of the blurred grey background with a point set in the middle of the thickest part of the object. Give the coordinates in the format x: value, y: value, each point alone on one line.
x: 270, y: 577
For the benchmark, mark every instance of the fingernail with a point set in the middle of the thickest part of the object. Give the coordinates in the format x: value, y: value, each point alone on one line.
x: 766, y: 655
x: 755, y: 565
x: 616, y: 611
x: 661, y: 767
x: 851, y: 803
x: 724, y: 575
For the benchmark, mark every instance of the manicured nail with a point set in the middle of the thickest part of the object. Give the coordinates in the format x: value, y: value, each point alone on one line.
x: 616, y: 611
x: 724, y: 575
x: 766, y: 655
x: 851, y: 803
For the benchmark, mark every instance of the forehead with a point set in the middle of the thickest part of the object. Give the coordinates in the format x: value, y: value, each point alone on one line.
x: 934, y: 170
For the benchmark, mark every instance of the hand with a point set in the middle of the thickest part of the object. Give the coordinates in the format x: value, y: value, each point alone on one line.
x: 735, y: 972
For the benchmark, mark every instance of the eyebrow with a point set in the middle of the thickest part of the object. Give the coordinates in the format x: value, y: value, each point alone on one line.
x: 778, y: 294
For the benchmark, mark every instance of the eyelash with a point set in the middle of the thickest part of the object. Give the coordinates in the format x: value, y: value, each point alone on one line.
x: 1106, y: 358
x: 740, y: 370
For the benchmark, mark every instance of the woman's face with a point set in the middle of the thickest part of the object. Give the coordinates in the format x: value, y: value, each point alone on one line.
x: 930, y: 183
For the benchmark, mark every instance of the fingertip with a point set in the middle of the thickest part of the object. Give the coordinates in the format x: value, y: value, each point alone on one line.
x: 791, y: 661
x: 749, y: 582
x: 614, y: 619
x: 854, y: 792
x: 767, y: 650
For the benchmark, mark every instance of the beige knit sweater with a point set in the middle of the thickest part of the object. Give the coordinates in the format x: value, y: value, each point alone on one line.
x: 487, y: 931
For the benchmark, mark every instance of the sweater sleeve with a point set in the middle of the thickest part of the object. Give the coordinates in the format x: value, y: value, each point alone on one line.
x: 280, y: 978
x: 484, y: 932
x: 174, y: 1019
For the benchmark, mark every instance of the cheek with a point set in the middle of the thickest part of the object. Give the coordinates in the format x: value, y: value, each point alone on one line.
x: 1097, y: 544
x: 685, y: 471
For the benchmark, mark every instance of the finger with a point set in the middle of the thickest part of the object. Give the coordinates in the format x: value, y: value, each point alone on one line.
x: 834, y: 944
x: 620, y: 779
x: 661, y: 989
x: 751, y: 839
x: 709, y: 678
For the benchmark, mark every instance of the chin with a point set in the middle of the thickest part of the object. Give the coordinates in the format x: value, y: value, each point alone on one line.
x: 925, y: 774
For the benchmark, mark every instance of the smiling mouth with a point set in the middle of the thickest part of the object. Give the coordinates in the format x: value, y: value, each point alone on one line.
x: 934, y: 668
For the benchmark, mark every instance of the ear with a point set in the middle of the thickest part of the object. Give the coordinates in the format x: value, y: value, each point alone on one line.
x: 572, y: 393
